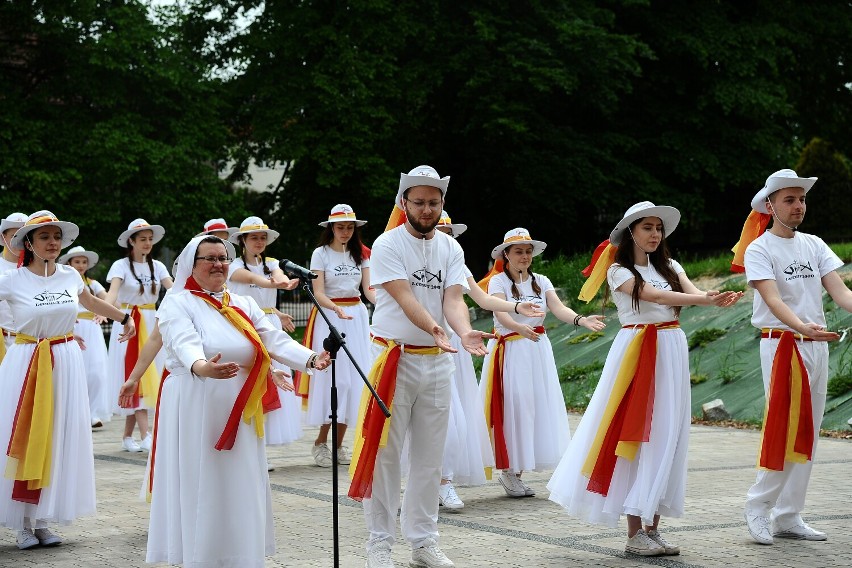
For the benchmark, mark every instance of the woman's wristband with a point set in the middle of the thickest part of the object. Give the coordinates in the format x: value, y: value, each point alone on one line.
x: 125, y: 318
x: 516, y: 307
x: 312, y: 361
x: 577, y: 319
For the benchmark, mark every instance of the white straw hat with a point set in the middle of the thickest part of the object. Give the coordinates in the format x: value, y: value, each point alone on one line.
x: 253, y: 225
x: 341, y: 213
x: 44, y: 218
x: 779, y: 180
x: 216, y: 225
x: 74, y: 252
x: 13, y: 221
x: 668, y: 215
x: 456, y: 229
x: 138, y: 225
x: 519, y: 236
x: 421, y: 175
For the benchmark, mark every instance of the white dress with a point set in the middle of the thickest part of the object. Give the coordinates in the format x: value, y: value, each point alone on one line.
x: 535, y: 420
x: 210, y: 508
x: 283, y: 425
x: 655, y: 481
x: 129, y: 295
x: 42, y: 308
x: 6, y: 322
x: 342, y: 280
x: 95, y: 360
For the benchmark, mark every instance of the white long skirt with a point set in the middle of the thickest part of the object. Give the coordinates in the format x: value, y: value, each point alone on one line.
x: 535, y: 422
x: 209, y: 508
x: 349, y: 382
x: 71, y: 493
x: 283, y: 425
x: 653, y: 483
x: 95, y: 360
x: 115, y: 363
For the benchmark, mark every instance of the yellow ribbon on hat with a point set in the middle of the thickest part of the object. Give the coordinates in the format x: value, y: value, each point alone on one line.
x: 42, y: 219
x: 253, y: 228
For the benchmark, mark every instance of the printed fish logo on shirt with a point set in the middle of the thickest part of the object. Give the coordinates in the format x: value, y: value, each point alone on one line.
x: 346, y: 270
x: 797, y: 267
x: 52, y: 296
x: 660, y: 284
x: 424, y: 275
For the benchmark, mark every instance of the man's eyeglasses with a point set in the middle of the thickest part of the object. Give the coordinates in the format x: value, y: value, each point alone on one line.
x: 434, y: 205
x: 215, y: 259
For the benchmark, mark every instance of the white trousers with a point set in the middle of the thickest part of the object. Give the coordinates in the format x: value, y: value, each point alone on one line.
x: 781, y: 494
x: 421, y: 408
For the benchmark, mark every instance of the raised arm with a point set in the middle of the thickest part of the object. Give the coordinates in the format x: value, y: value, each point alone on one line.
x: 495, y: 304
x: 566, y: 314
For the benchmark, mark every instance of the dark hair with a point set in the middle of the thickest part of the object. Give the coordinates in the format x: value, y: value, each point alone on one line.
x: 516, y: 294
x: 132, y: 238
x: 242, y: 239
x: 29, y: 256
x: 353, y: 246
x: 209, y: 239
x: 660, y: 258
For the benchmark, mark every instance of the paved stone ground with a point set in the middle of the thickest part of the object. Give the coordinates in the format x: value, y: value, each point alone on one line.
x: 492, y: 530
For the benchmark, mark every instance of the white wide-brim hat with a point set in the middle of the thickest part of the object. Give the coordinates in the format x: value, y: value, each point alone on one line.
x: 421, y: 175
x: 519, y: 236
x: 216, y: 225
x: 44, y: 218
x: 253, y: 225
x: 13, y: 221
x: 668, y: 215
x: 456, y: 229
x: 74, y: 252
x: 138, y: 225
x: 779, y: 180
x: 342, y: 213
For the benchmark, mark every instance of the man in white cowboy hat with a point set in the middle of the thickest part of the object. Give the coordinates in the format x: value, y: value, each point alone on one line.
x: 9, y: 261
x: 418, y: 275
x: 789, y: 270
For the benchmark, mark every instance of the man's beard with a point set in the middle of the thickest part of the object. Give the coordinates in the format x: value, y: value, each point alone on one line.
x: 420, y: 228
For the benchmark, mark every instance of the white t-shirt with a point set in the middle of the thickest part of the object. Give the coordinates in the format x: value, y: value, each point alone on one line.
x: 94, y: 287
x: 467, y: 274
x: 502, y: 284
x: 265, y: 297
x: 797, y: 265
x: 649, y: 312
x: 6, y: 321
x: 342, y: 277
x: 430, y: 266
x: 43, y: 307
x: 128, y: 293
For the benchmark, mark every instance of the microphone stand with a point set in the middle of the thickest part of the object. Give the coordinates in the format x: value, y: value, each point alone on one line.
x: 332, y: 344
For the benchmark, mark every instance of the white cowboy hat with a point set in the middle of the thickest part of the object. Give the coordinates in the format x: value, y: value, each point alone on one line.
x: 79, y: 251
x: 668, y: 215
x: 253, y: 225
x: 341, y: 213
x: 215, y: 225
x: 779, y: 180
x: 456, y: 229
x: 421, y: 175
x: 42, y: 219
x: 13, y: 221
x: 138, y: 225
x: 519, y: 236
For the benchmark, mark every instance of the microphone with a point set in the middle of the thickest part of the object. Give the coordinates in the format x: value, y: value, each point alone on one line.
x: 294, y: 269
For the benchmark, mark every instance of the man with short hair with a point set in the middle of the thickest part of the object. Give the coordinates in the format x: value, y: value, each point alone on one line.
x: 789, y: 270
x: 418, y: 275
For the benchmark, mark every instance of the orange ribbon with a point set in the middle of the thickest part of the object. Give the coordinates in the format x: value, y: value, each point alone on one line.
x: 495, y: 270
x: 147, y: 387
x: 397, y: 218
x: 595, y: 272
x: 150, y: 490
x: 754, y: 226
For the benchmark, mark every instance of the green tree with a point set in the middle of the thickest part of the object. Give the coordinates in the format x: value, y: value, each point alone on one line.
x: 829, y: 208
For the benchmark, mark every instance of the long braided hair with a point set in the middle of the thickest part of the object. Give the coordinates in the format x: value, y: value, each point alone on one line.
x: 354, y: 246
x: 516, y: 294
x: 242, y: 239
x: 149, y: 259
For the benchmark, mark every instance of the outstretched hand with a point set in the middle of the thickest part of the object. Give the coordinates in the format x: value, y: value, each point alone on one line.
x: 280, y: 377
x: 724, y: 299
x: 125, y: 394
x: 442, y: 341
x: 818, y: 332
x: 323, y: 361
x: 592, y: 323
x: 473, y: 341
x: 128, y: 332
x: 530, y: 310
x: 213, y: 369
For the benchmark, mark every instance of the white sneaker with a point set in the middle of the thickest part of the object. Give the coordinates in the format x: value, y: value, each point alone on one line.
x: 379, y: 556
x: 322, y: 455
x: 46, y: 537
x: 800, y: 531
x: 671, y: 549
x: 343, y: 456
x: 448, y: 498
x: 26, y: 539
x: 641, y: 544
x: 758, y: 527
x: 429, y: 556
x: 528, y: 491
x: 131, y: 445
x: 512, y: 485
x: 146, y: 443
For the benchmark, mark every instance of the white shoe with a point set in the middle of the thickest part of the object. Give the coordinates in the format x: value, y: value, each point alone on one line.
x: 429, y: 556
x: 448, y: 498
x: 146, y: 443
x: 26, y: 539
x: 512, y: 485
x: 800, y: 531
x: 643, y: 545
x: 96, y: 422
x: 343, y: 456
x: 528, y: 491
x: 131, y: 445
x: 379, y: 556
x: 758, y: 527
x: 322, y: 455
x: 46, y: 537
x: 269, y: 466
x: 671, y: 549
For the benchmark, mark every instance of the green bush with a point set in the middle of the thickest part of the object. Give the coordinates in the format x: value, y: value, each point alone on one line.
x: 697, y: 267
x: 839, y: 385
x: 843, y: 250
x: 736, y: 284
x: 697, y: 378
x: 579, y: 382
x: 585, y: 337
x: 704, y: 336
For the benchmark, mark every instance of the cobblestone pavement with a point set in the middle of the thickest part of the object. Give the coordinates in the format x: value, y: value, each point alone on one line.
x: 492, y: 529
